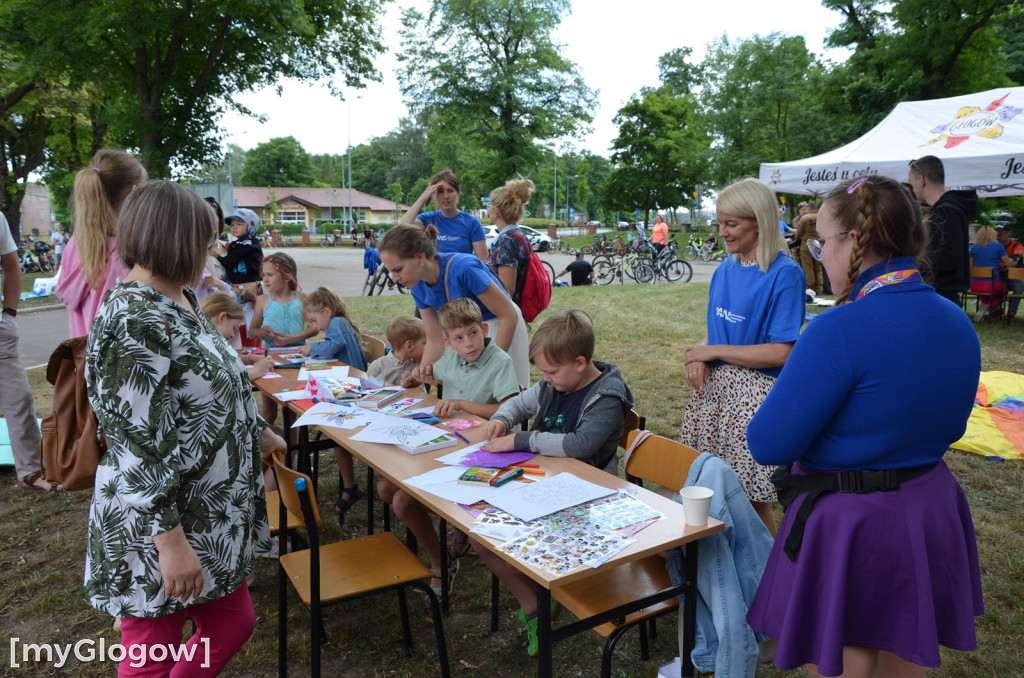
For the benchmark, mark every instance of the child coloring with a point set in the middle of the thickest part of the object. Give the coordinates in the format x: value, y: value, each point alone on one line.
x: 227, y: 316
x: 407, y: 338
x: 480, y: 375
x: 327, y: 313
x: 578, y: 410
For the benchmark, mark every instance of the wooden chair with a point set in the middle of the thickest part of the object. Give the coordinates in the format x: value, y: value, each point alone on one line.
x: 987, y: 274
x: 274, y: 507
x: 1011, y: 274
x: 373, y: 347
x: 345, y: 570
x: 666, y: 463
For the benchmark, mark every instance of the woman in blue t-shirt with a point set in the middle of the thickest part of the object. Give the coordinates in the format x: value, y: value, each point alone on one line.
x: 755, y: 310
x: 988, y: 252
x: 457, y: 231
x: 435, y: 278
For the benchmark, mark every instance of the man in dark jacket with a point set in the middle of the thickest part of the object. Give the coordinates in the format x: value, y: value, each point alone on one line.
x: 949, y: 241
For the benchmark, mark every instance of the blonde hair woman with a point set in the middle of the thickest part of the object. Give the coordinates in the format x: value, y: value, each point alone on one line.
x: 90, y: 263
x: 755, y: 310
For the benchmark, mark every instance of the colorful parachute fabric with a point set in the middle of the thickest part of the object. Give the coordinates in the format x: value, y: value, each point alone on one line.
x: 996, y: 427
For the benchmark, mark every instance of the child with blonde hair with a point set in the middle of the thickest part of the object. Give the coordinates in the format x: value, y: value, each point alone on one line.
x: 578, y: 410
x: 227, y: 316
x: 407, y: 338
x: 326, y: 312
x: 278, y: 319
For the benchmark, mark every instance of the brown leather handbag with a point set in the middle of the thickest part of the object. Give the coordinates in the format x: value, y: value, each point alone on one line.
x: 72, y: 442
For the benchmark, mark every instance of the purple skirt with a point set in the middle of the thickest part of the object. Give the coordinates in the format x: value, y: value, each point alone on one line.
x: 895, y: 571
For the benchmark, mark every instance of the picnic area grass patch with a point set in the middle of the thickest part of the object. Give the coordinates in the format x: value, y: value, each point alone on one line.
x: 643, y: 330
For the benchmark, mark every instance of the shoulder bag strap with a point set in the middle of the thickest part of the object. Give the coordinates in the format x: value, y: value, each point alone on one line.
x: 446, y: 267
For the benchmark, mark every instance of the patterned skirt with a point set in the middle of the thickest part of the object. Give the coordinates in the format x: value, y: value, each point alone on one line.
x: 716, y: 421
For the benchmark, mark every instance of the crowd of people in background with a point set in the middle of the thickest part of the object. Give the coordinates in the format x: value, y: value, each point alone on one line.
x: 166, y: 304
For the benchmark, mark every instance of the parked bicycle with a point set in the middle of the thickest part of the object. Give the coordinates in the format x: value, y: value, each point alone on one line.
x: 379, y: 281
x: 32, y: 257
x: 633, y: 265
x: 330, y: 240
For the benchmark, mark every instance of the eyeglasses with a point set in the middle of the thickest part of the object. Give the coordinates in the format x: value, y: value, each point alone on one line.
x: 815, y: 246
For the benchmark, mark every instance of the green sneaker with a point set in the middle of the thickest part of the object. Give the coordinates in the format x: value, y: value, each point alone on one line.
x: 531, y: 634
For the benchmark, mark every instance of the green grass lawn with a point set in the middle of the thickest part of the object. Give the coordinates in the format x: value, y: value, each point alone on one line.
x: 642, y: 329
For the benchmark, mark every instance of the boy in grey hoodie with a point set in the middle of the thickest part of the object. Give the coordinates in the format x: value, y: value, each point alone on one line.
x: 578, y: 411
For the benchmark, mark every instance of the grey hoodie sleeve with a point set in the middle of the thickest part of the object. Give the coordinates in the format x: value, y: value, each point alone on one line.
x: 519, y: 408
x: 599, y: 423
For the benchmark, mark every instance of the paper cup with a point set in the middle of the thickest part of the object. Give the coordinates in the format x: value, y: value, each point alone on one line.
x: 696, y: 504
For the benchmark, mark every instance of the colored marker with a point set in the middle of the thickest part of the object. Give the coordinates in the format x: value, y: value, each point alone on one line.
x: 462, y: 437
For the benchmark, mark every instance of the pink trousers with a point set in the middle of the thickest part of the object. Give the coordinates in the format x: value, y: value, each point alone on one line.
x: 222, y: 625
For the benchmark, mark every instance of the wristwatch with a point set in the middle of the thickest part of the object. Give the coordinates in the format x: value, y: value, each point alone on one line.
x: 13, y: 312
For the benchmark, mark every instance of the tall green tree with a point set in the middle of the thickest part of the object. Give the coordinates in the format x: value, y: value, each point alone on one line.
x: 177, y: 66
x: 278, y: 162
x: 490, y: 74
x: 919, y: 49
x: 763, y: 101
x: 660, y: 153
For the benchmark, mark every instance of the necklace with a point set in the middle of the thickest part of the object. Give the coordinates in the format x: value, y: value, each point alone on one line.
x: 748, y: 263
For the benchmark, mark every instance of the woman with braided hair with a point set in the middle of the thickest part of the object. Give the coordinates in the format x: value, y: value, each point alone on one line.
x: 876, y: 562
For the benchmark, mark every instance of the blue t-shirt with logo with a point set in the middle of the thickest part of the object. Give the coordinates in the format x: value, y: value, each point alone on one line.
x: 747, y: 307
x: 467, y: 277
x: 456, y: 234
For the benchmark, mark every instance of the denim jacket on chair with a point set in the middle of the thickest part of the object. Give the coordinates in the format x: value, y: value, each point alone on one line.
x: 729, y: 568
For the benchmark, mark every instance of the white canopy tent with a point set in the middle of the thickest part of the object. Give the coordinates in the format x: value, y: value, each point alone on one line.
x: 979, y: 138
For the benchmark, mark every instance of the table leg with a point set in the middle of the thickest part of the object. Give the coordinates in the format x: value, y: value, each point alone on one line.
x: 545, y: 655
x: 442, y: 530
x: 690, y: 610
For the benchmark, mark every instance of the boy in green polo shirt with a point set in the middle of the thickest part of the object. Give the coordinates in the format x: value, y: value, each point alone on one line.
x: 477, y: 377
x: 475, y: 373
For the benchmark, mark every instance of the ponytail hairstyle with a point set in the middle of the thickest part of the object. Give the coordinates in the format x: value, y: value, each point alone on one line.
x: 406, y: 242
x: 96, y: 200
x: 882, y: 217
x: 509, y: 200
x: 323, y: 298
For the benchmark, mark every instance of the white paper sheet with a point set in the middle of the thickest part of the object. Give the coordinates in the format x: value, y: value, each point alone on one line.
x: 288, y: 396
x: 339, y: 373
x: 338, y: 415
x: 395, y: 430
x: 445, y: 474
x: 455, y: 458
x: 533, y: 500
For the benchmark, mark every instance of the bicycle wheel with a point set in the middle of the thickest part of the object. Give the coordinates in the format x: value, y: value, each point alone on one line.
x: 677, y: 269
x: 551, y: 272
x: 644, y: 274
x: 383, y: 280
x: 605, y: 272
x: 601, y: 257
x: 371, y: 280
x: 705, y: 254
x: 323, y: 241
x: 689, y: 253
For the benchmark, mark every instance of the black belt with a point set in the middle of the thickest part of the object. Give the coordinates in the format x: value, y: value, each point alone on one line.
x: 790, y: 486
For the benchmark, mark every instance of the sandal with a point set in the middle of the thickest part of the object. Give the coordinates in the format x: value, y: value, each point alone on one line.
x: 457, y: 547
x: 37, y: 482
x: 343, y: 505
x: 435, y: 584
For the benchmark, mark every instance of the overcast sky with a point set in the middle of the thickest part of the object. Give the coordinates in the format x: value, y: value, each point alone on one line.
x: 615, y: 43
